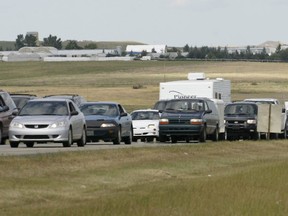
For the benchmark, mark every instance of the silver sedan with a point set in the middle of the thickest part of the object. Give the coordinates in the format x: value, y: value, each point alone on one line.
x: 48, y: 120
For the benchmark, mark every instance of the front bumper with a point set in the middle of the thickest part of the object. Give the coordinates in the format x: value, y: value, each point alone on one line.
x: 102, y: 133
x: 38, y: 135
x: 145, y: 132
x: 180, y: 130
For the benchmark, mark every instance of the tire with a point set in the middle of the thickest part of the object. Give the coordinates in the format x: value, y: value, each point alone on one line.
x: 215, y: 136
x: 128, y: 139
x: 2, y: 141
x: 14, y: 144
x: 203, y: 135
x: 150, y: 139
x: 69, y: 142
x: 162, y: 138
x: 256, y: 136
x: 83, y: 140
x: 117, y: 140
x: 29, y: 144
x: 173, y: 139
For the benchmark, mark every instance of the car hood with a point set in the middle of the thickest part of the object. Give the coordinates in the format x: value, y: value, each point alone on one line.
x: 39, y: 119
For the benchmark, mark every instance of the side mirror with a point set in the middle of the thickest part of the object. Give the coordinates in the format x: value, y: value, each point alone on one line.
x: 208, y: 111
x: 74, y: 113
x: 123, y: 114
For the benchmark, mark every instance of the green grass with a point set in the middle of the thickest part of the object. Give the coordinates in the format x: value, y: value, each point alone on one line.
x: 227, y: 178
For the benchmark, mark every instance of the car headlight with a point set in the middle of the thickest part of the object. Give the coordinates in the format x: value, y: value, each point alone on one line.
x: 58, y: 124
x: 16, y: 125
x: 105, y: 125
x: 164, y: 121
x: 151, y: 126
x: 251, y: 121
x: 196, y: 121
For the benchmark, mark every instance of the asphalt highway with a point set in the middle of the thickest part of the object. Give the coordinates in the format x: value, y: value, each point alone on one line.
x: 44, y: 148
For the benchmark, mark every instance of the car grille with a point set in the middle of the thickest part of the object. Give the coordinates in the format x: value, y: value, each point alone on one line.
x: 36, y: 137
x: 36, y: 126
x: 179, y: 121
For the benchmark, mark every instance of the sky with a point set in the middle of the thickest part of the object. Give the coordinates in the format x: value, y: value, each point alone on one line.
x: 170, y: 22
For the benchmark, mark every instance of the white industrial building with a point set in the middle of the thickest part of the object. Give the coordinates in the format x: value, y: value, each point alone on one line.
x: 53, y: 54
x: 138, y: 49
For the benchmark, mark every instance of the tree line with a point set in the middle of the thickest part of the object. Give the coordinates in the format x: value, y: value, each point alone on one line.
x: 52, y: 41
x: 211, y: 53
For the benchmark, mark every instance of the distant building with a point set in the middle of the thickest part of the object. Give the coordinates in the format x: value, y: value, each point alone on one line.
x: 138, y: 49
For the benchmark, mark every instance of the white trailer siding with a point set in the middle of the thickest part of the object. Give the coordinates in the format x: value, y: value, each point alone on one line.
x: 214, y: 89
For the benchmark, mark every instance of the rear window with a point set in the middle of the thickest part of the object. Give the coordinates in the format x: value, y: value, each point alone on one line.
x: 145, y: 116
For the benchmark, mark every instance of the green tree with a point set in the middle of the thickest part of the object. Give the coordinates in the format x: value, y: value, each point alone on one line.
x: 72, y: 44
x: 53, y: 42
x: 278, y: 49
x: 143, y: 53
x: 30, y: 40
x: 20, y: 42
x: 186, y: 48
x: 91, y: 46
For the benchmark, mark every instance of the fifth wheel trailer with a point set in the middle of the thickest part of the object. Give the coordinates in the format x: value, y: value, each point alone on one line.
x: 196, y: 86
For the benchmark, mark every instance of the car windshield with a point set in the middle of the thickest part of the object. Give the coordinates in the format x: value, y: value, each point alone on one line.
x: 160, y: 105
x: 99, y: 109
x: 145, y: 116
x: 240, y: 109
x: 44, y: 108
x: 185, y: 105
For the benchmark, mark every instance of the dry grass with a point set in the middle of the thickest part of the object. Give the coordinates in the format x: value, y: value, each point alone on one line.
x: 230, y: 178
x: 114, y: 81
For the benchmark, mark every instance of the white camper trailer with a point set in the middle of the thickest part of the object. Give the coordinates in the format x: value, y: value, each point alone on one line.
x: 196, y: 86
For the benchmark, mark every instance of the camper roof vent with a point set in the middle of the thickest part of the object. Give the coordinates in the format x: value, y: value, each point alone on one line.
x: 196, y: 76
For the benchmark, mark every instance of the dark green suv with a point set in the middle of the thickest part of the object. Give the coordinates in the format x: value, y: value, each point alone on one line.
x: 189, y: 119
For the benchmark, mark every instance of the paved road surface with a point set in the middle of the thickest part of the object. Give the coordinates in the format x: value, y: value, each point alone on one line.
x: 6, y: 150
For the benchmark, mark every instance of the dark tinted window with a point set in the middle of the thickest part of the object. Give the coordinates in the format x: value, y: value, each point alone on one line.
x: 240, y: 109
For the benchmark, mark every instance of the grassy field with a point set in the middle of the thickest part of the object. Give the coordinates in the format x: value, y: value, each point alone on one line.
x: 224, y: 178
x: 114, y: 81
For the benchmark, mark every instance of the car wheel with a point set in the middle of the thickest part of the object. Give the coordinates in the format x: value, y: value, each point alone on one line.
x: 128, y: 139
x: 162, y: 138
x: 82, y: 141
x: 29, y: 144
x: 2, y: 141
x: 14, y: 144
x: 216, y: 135
x: 203, y: 135
x: 69, y: 142
x: 174, y: 139
x: 117, y: 140
x: 150, y: 139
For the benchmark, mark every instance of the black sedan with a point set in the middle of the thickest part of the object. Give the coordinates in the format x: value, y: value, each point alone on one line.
x: 107, y: 121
